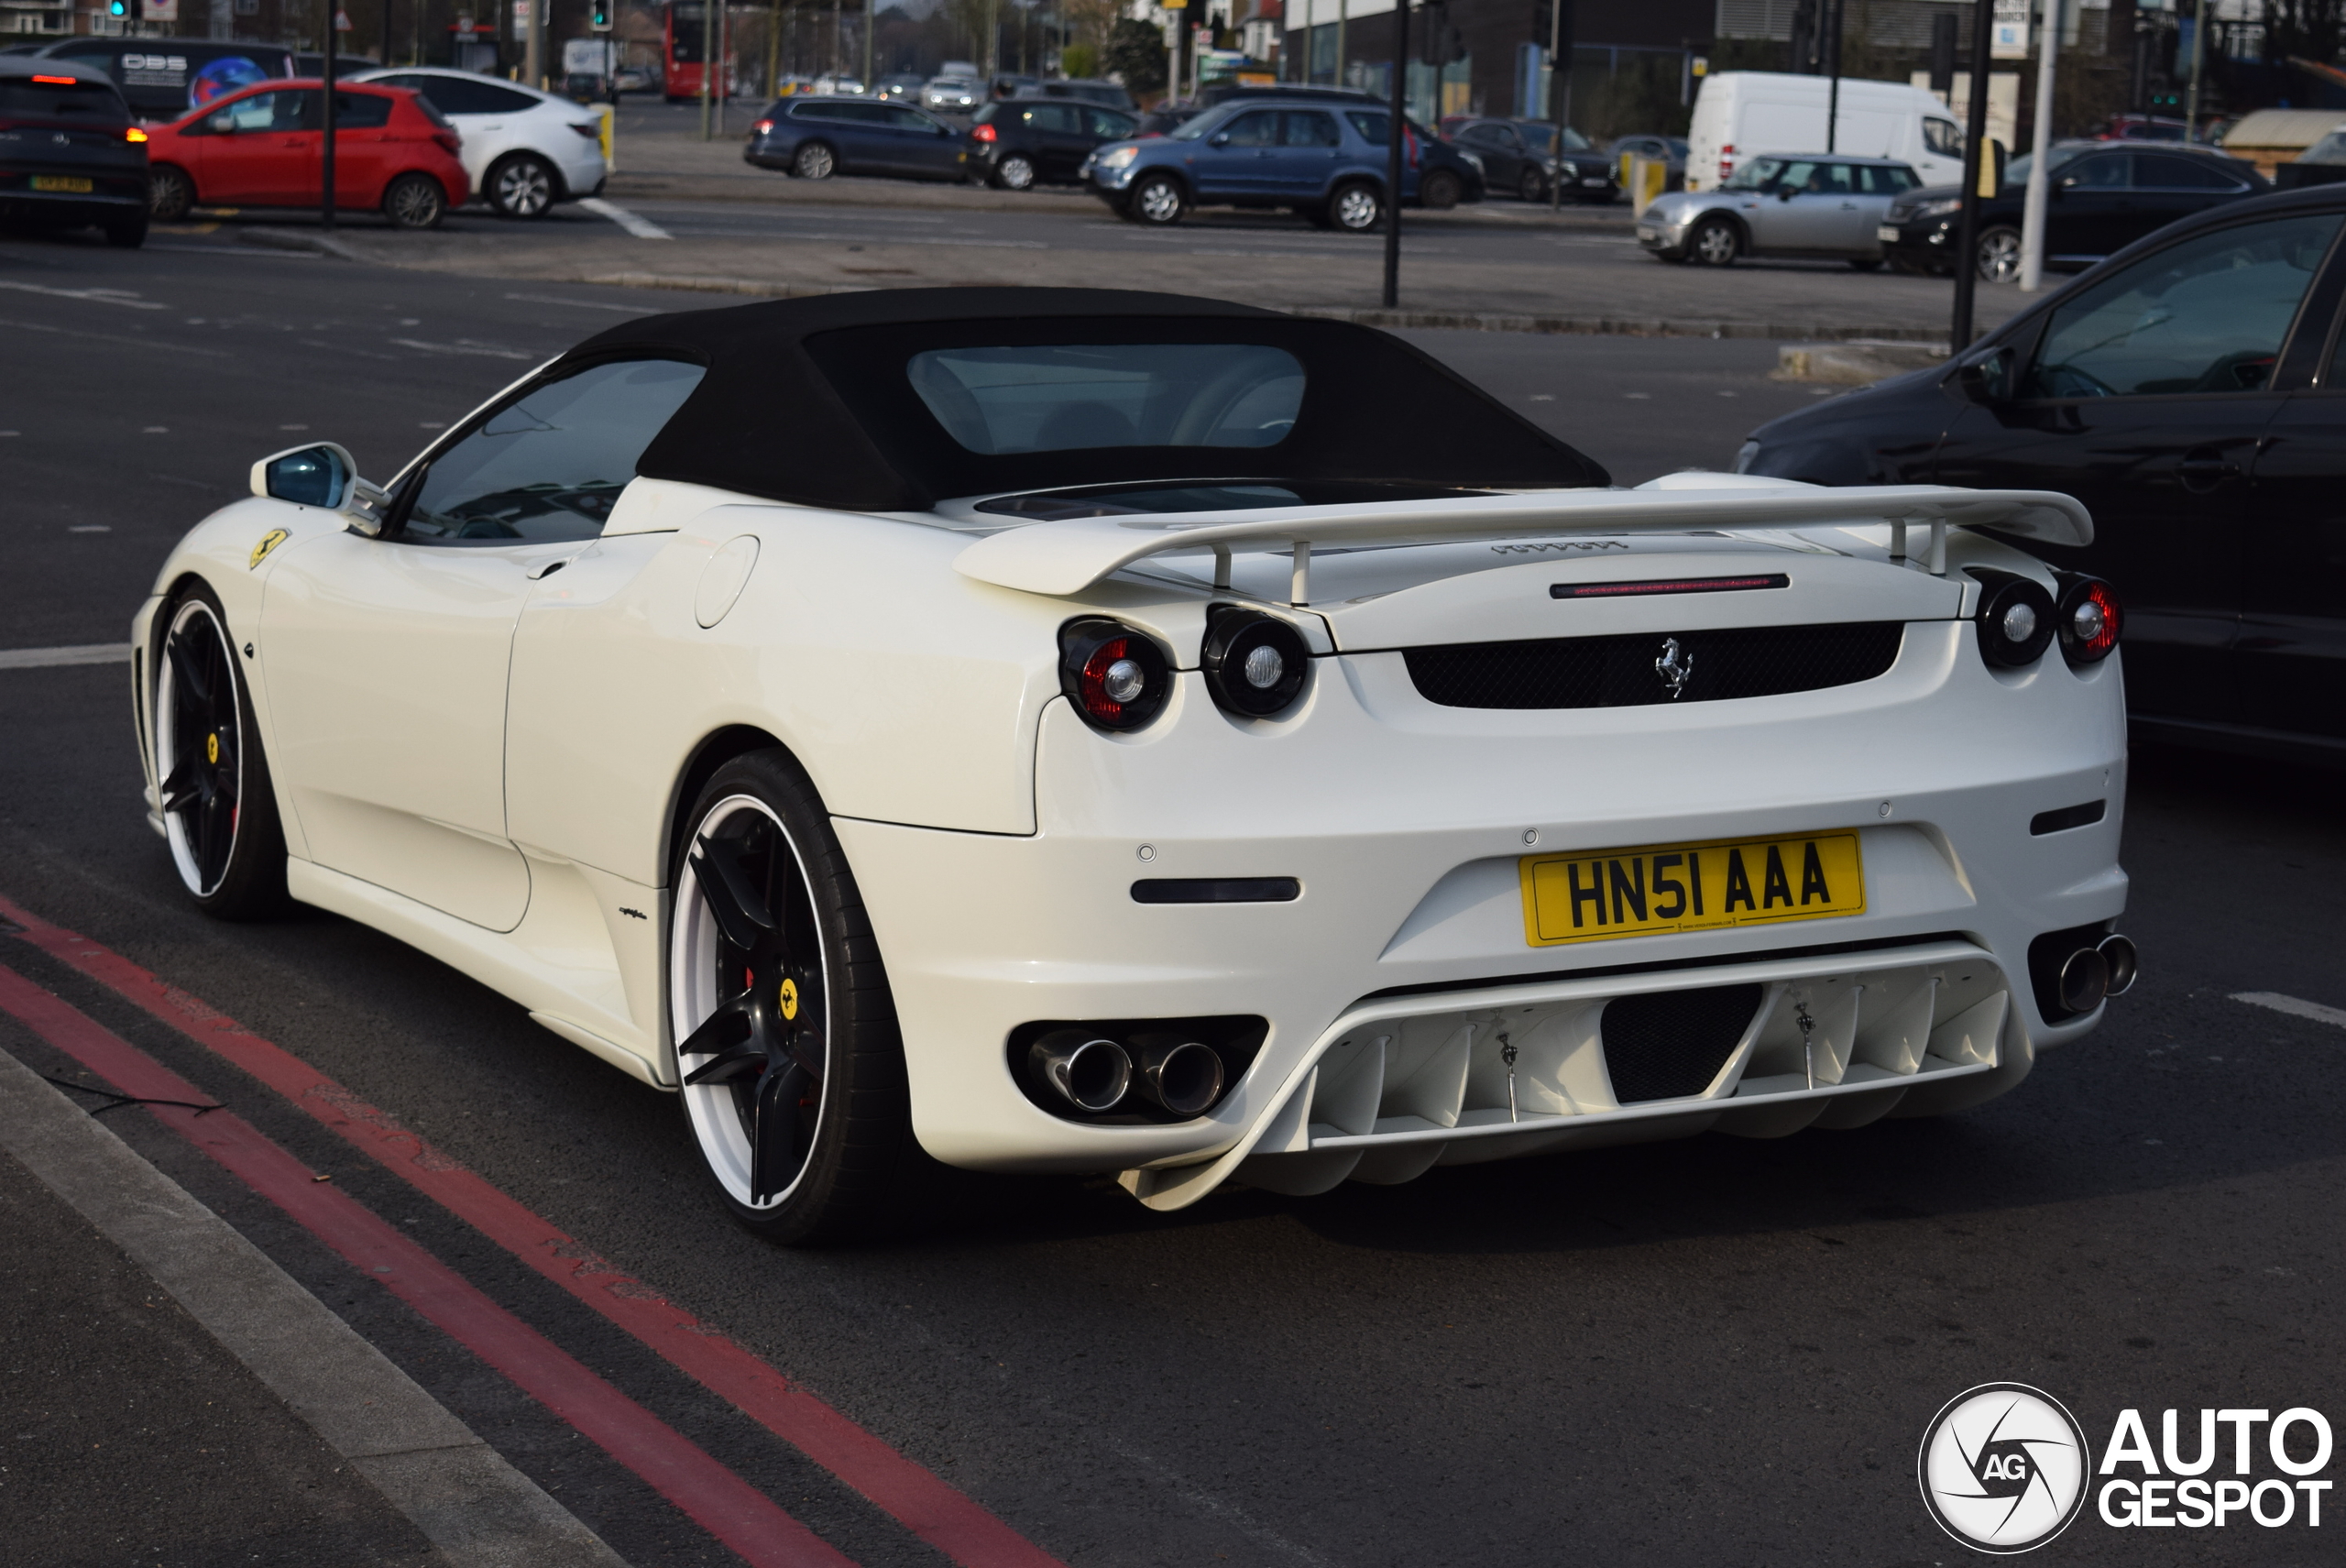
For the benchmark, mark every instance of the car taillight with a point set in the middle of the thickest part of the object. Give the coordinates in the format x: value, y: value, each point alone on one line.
x: 1255, y: 664
x: 2091, y: 620
x: 590, y: 129
x: 1409, y: 139
x: 1116, y: 677
x: 2017, y: 619
x: 450, y: 142
x: 132, y: 134
x: 762, y: 128
x: 982, y: 133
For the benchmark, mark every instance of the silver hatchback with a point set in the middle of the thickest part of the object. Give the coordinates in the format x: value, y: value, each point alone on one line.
x: 1790, y: 204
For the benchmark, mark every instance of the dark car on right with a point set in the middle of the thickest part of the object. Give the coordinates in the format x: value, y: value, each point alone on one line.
x: 2101, y: 197
x: 1014, y: 142
x: 69, y: 157
x: 1519, y: 157
x: 2191, y: 392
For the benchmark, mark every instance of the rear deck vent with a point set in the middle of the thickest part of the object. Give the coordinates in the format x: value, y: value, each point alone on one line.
x: 1625, y: 672
x: 1668, y: 1045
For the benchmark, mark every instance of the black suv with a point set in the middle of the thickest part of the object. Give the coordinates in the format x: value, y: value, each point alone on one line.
x: 2101, y: 197
x: 1014, y: 142
x: 2191, y: 391
x: 69, y: 157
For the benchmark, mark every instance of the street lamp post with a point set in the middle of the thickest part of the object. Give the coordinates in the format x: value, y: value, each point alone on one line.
x: 2032, y: 221
x: 326, y: 160
x: 1560, y: 92
x: 1975, y: 155
x: 1833, y: 73
x: 1393, y: 155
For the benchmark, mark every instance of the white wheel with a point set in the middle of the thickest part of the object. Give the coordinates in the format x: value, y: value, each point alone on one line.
x: 1999, y: 256
x: 1015, y: 173
x: 1355, y: 209
x: 785, y: 1035
x: 521, y: 187
x: 219, y: 812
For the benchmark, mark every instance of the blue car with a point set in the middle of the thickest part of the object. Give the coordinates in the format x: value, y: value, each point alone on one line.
x: 816, y: 137
x: 1325, y: 161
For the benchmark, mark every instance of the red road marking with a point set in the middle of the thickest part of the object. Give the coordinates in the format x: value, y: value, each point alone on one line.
x: 940, y: 1515
x: 720, y: 1501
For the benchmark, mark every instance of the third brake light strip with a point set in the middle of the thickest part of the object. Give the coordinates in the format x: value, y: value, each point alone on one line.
x: 956, y: 1524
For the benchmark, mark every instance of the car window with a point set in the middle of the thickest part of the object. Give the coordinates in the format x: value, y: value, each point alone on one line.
x: 1757, y: 175
x: 1108, y: 125
x: 1055, y: 118
x: 1877, y: 181
x: 1260, y: 128
x: 74, y: 103
x: 1061, y: 398
x: 1309, y: 128
x: 550, y: 464
x: 909, y: 119
x: 455, y: 95
x: 2106, y: 172
x: 2164, y: 172
x: 1372, y: 128
x: 2205, y: 315
x: 1485, y: 136
x: 261, y: 112
x: 1943, y: 136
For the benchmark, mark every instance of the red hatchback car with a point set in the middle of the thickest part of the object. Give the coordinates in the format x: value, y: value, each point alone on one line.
x: 393, y: 153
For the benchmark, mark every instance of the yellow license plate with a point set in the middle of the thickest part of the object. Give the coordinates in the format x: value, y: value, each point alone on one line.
x: 71, y: 184
x: 1597, y: 896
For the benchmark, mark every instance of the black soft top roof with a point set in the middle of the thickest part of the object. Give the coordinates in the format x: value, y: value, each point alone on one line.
x: 806, y: 400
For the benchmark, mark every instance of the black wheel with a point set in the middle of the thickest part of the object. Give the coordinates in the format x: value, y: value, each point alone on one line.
x: 1158, y: 199
x: 1015, y: 172
x: 521, y: 186
x: 219, y: 811
x: 415, y: 202
x: 127, y: 234
x: 1864, y: 265
x: 170, y: 194
x: 1715, y: 242
x: 793, y: 1073
x: 816, y: 160
x: 1531, y: 187
x: 1999, y: 255
x: 1439, y: 190
x: 1355, y: 208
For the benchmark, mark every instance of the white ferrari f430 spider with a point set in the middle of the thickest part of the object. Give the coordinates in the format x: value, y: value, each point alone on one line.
x: 1082, y: 731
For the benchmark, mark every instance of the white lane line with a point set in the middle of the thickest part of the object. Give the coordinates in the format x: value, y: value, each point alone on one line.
x: 581, y: 305
x: 45, y: 658
x: 462, y: 1494
x: 461, y: 346
x: 2293, y: 1006
x: 95, y: 296
x: 642, y: 228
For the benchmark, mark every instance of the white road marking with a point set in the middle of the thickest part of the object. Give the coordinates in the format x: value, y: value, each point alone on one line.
x: 95, y: 296
x: 642, y: 228
x: 584, y: 304
x: 463, y: 347
x: 45, y: 658
x: 2293, y: 1006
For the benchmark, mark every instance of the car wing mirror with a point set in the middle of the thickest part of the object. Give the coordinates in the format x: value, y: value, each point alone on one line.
x: 322, y: 474
x: 1988, y: 379
x: 1221, y: 139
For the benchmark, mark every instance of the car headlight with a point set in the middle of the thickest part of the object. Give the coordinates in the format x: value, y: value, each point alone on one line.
x: 1119, y: 157
x: 1937, y: 209
x: 1745, y: 455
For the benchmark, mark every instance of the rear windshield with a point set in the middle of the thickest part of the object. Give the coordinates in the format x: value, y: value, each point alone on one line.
x: 1061, y: 398
x: 93, y: 102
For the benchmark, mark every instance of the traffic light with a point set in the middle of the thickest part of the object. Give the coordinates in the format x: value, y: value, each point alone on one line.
x: 118, y: 9
x: 599, y: 15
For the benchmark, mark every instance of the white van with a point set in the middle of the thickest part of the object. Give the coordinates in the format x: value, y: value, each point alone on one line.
x: 1742, y: 114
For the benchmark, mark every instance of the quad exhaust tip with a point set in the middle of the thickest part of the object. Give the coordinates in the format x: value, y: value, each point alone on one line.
x: 2118, y: 953
x: 1092, y: 1074
x: 1183, y: 1075
x: 2090, y: 976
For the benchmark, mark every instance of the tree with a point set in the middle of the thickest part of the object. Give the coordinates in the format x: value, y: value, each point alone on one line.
x: 1079, y: 61
x: 1137, y: 52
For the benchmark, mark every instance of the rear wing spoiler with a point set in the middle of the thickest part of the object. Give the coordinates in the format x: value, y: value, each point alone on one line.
x: 1069, y: 557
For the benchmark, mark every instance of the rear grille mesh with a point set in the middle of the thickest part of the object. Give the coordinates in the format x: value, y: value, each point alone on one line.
x: 1622, y: 671
x: 1671, y: 1044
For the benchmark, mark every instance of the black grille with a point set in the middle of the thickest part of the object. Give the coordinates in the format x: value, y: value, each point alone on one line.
x: 1671, y: 1044
x: 1621, y: 672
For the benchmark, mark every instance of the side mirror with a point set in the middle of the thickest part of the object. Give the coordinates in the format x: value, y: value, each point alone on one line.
x: 1988, y: 379
x: 223, y: 123
x: 321, y: 476
x: 1786, y: 194
x: 1220, y: 139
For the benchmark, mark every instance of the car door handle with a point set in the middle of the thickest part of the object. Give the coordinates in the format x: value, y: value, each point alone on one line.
x: 2204, y: 470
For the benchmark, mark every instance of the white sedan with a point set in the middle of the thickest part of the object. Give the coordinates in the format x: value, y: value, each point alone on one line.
x: 1079, y: 731
x: 524, y: 150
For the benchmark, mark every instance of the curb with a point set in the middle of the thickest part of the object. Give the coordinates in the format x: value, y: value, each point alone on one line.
x: 467, y: 1500
x: 295, y: 239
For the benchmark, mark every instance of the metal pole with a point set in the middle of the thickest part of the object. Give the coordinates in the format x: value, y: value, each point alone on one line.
x: 2198, y: 56
x: 871, y: 32
x: 838, y: 55
x: 2032, y: 223
x: 387, y: 32
x: 1393, y: 155
x: 325, y: 148
x: 709, y: 57
x: 773, y: 51
x: 1975, y: 153
x: 533, y: 48
x: 1343, y: 16
x: 1833, y: 70
x: 1560, y: 92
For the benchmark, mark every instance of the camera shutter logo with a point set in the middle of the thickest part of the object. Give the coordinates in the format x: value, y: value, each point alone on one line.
x: 2003, y: 1468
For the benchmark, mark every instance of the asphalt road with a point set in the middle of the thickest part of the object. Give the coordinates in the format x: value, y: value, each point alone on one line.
x: 1715, y: 1351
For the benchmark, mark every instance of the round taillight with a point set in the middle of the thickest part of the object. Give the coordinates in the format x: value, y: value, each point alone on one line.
x: 1255, y: 664
x: 2016, y: 619
x: 1116, y: 677
x: 2091, y: 620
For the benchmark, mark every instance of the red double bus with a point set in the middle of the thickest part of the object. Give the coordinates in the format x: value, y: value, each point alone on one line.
x: 684, y: 47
